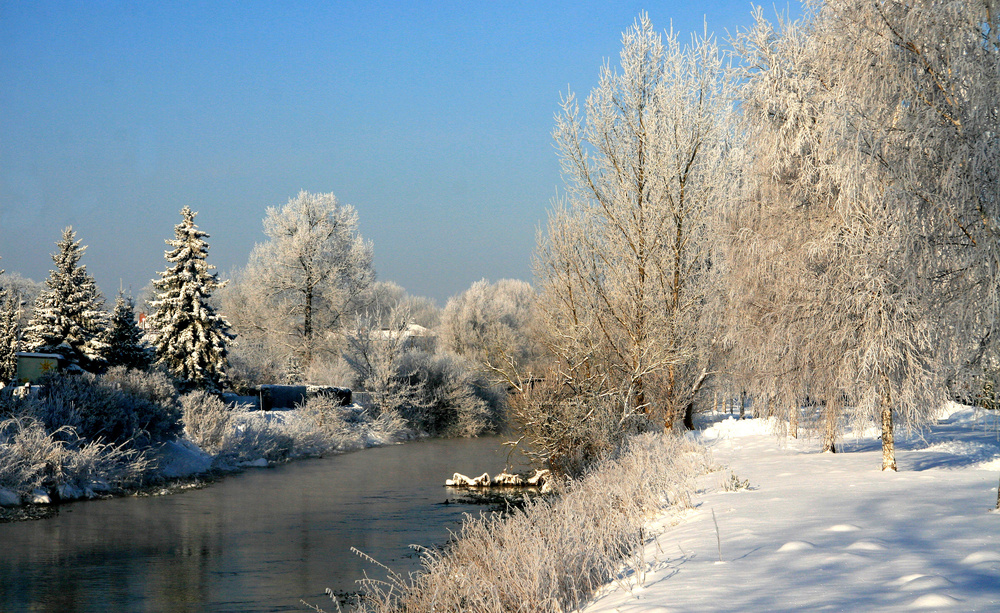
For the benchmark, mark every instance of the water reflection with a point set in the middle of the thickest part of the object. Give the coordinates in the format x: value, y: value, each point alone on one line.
x: 255, y: 542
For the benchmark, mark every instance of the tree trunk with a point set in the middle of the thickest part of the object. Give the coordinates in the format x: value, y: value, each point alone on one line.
x: 689, y: 419
x: 998, y: 497
x: 743, y: 404
x: 307, y: 326
x: 888, y: 444
x: 793, y: 422
x: 830, y: 429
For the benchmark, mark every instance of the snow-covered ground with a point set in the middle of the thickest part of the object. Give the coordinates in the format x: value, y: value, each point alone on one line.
x: 831, y: 532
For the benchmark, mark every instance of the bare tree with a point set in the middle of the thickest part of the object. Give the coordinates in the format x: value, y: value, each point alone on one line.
x: 299, y: 285
x: 621, y: 265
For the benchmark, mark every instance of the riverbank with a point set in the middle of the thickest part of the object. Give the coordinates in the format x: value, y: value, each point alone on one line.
x: 552, y: 554
x: 220, y: 440
x: 817, y: 531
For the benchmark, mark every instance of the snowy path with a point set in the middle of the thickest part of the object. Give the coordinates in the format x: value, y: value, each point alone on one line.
x: 831, y: 532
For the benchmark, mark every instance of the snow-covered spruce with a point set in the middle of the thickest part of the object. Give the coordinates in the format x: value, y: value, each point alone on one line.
x: 123, y: 338
x: 190, y: 336
x: 10, y: 333
x: 68, y: 316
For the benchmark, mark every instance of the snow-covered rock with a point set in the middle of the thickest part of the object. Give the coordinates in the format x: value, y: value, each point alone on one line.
x: 460, y: 480
x: 506, y: 478
x: 68, y: 491
x: 40, y: 496
x: 9, y: 498
x: 258, y: 463
x: 182, y: 458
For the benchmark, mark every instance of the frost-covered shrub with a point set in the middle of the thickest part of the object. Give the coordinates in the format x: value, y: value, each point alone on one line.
x: 106, y: 410
x: 554, y: 553
x: 153, y: 385
x: 206, y: 420
x: 322, y: 425
x: 253, y: 363
x: 567, y: 427
x: 32, y: 458
x: 451, y: 398
x: 227, y: 433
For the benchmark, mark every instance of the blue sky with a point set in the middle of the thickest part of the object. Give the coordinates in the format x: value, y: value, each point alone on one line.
x: 434, y: 120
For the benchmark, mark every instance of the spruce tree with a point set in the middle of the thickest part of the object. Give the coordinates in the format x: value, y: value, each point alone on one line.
x: 67, y: 317
x: 191, y: 336
x: 124, y: 338
x: 9, y: 333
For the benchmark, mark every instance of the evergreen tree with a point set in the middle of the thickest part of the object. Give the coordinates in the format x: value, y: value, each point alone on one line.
x: 124, y: 338
x: 191, y: 336
x: 67, y: 317
x: 9, y: 333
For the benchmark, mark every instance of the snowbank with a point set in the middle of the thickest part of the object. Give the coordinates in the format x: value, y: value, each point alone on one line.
x: 831, y: 531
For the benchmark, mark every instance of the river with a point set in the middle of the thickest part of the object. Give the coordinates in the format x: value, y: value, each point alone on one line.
x: 257, y: 541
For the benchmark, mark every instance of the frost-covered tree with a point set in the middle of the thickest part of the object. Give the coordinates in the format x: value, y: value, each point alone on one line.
x: 868, y: 233
x: 190, y: 336
x: 494, y: 324
x: 300, y: 284
x: 10, y: 332
x: 67, y: 317
x: 125, y: 346
x: 387, y: 296
x: 621, y: 266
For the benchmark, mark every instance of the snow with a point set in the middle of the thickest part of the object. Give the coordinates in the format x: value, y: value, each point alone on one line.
x: 829, y: 531
x: 182, y: 458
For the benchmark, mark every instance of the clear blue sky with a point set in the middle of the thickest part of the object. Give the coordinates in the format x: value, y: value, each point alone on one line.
x: 434, y: 120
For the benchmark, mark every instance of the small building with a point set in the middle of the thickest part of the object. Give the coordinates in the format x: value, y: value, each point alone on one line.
x: 414, y: 336
x: 33, y: 366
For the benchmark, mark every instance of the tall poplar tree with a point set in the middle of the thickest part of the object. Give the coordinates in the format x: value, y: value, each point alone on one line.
x: 67, y: 317
x: 623, y: 264
x: 191, y: 336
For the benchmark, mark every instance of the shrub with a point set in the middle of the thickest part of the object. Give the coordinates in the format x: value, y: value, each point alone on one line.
x: 152, y: 385
x: 227, y: 432
x: 451, y: 398
x: 553, y: 554
x: 108, y: 410
x: 568, y: 426
x: 31, y: 458
x: 322, y: 425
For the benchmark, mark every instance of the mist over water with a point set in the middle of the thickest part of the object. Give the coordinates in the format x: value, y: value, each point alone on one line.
x: 259, y: 541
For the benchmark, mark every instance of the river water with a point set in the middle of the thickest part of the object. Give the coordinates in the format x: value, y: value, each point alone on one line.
x: 258, y: 541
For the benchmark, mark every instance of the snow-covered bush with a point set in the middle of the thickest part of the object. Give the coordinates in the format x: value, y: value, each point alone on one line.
x: 567, y: 426
x: 153, y: 385
x: 439, y: 394
x: 228, y: 434
x: 127, y: 409
x: 452, y: 398
x: 253, y: 363
x: 31, y: 458
x: 207, y: 420
x: 554, y: 553
x: 323, y: 425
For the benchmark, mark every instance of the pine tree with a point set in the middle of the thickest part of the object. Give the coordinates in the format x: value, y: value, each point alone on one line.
x: 67, y: 317
x: 124, y: 338
x: 9, y: 333
x: 191, y: 336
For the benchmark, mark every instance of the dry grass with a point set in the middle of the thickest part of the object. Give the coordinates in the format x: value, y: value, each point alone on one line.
x: 319, y: 426
x: 33, y: 459
x: 554, y: 553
